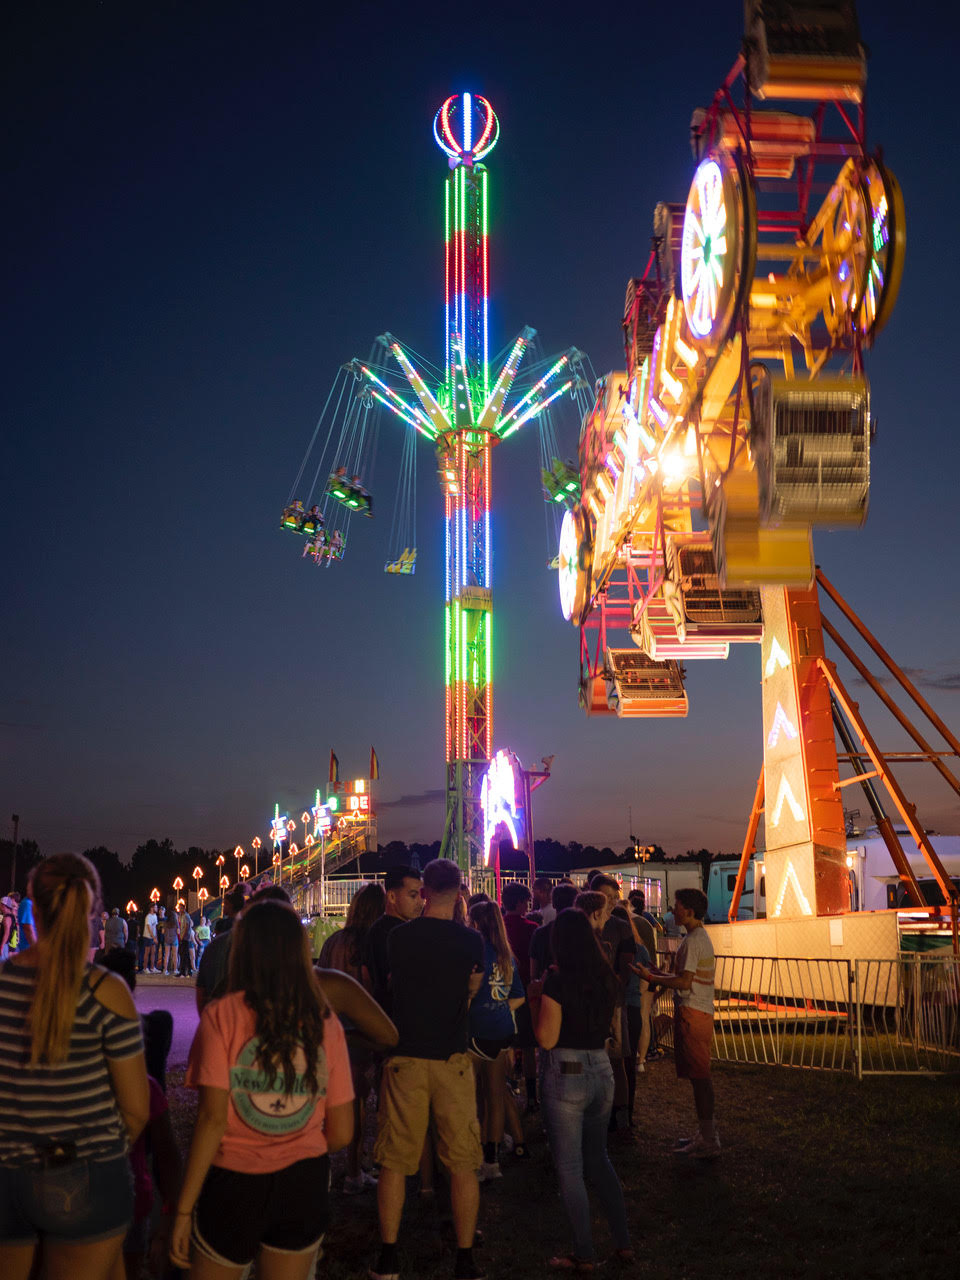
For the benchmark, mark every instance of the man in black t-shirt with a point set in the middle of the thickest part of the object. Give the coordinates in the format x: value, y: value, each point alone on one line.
x: 436, y: 968
x: 402, y: 887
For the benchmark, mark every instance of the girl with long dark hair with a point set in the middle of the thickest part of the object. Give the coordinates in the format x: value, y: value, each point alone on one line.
x: 270, y: 1062
x: 73, y: 1089
x: 572, y: 1012
x: 344, y: 951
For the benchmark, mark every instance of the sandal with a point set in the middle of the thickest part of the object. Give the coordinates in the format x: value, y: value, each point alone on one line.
x: 570, y: 1262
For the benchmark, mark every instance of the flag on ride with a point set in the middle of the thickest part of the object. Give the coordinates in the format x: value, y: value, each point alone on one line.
x: 334, y: 767
x: 374, y: 765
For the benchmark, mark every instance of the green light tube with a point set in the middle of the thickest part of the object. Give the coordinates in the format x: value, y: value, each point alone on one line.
x: 447, y: 644
x: 489, y: 648
x: 463, y: 665
x: 446, y: 275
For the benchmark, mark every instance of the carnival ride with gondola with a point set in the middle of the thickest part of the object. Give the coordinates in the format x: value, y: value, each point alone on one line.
x: 741, y: 422
x: 463, y: 408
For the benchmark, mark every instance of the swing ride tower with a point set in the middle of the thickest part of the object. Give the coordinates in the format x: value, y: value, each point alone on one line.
x: 465, y: 418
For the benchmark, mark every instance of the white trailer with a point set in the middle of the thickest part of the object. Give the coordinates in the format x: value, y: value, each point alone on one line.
x: 876, y: 885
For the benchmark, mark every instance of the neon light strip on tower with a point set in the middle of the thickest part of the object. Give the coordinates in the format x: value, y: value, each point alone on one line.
x: 447, y: 283
x: 462, y: 325
x: 535, y: 410
x: 501, y: 388
x: 425, y: 396
x: 528, y: 398
x: 411, y: 422
x: 399, y: 405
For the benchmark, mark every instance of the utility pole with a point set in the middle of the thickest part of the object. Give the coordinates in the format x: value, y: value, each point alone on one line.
x: 15, y: 818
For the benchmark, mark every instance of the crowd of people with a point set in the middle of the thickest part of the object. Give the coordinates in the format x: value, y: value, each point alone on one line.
x: 468, y: 1024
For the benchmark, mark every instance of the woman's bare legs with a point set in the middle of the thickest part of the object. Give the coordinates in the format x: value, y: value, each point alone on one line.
x: 16, y: 1260
x: 283, y: 1266
x: 92, y: 1261
x: 494, y: 1077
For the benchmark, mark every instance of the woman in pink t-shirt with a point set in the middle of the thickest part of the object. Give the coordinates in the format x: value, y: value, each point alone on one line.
x: 270, y: 1062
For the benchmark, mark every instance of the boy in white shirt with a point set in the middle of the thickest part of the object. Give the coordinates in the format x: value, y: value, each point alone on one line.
x: 150, y: 941
x: 692, y: 985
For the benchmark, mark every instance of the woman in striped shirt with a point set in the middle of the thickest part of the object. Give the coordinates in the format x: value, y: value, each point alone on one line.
x: 73, y: 1090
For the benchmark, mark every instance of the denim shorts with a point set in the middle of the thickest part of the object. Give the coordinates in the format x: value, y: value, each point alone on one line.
x: 76, y: 1203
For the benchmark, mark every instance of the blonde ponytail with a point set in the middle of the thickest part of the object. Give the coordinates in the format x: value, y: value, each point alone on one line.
x: 65, y: 890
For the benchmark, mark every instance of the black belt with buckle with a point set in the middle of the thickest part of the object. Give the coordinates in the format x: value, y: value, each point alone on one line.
x: 571, y: 1068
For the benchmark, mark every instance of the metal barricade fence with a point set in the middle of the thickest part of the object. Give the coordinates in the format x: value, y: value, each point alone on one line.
x: 908, y: 1015
x: 336, y: 895
x: 868, y: 1017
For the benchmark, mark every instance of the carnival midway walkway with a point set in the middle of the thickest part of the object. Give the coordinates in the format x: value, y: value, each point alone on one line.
x: 178, y: 996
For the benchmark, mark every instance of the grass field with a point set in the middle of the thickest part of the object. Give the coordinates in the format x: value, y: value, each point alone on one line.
x: 820, y: 1176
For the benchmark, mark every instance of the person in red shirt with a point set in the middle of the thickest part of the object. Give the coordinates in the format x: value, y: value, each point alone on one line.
x: 276, y: 1098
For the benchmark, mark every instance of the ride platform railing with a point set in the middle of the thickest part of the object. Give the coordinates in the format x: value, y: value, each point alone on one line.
x: 865, y: 1017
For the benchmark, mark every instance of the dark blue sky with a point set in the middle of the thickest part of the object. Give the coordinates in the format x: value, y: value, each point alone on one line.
x: 208, y: 209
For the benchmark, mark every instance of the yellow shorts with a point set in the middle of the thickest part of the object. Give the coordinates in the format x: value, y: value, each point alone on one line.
x: 412, y: 1090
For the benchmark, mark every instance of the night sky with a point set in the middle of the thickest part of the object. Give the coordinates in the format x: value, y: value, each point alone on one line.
x: 208, y: 208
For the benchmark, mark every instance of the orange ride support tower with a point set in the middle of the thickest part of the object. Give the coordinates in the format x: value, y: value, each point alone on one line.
x: 805, y: 839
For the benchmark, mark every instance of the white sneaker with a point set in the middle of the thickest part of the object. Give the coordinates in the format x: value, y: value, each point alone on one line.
x: 490, y: 1172
x: 506, y: 1144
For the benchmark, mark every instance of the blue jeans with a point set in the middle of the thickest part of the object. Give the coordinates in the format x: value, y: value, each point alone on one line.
x: 576, y: 1112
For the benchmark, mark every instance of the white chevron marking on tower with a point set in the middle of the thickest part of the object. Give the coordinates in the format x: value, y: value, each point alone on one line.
x: 780, y: 721
x: 786, y: 794
x: 776, y: 659
x: 790, y: 877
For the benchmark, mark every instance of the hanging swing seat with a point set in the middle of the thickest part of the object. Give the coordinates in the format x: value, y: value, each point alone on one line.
x: 405, y: 563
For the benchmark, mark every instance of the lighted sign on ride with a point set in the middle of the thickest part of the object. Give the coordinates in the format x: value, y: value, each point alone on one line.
x: 704, y: 248
x: 888, y: 242
x: 278, y: 827
x: 498, y: 801
x: 571, y: 571
x: 716, y: 232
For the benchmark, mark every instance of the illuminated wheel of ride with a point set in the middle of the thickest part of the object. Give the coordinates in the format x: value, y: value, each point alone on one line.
x: 576, y: 565
x: 888, y: 237
x: 846, y: 246
x: 718, y: 249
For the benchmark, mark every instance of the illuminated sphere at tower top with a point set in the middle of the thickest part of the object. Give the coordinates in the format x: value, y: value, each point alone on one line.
x: 466, y: 128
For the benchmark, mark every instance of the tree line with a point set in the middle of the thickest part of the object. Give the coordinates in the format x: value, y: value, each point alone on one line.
x: 155, y: 864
